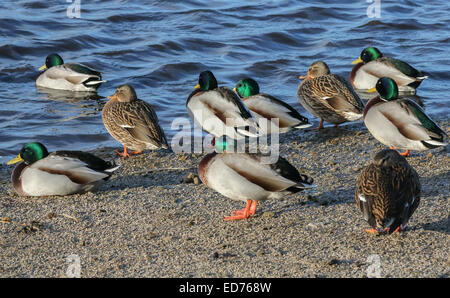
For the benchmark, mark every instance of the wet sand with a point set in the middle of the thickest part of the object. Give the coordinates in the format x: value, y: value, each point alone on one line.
x: 148, y: 220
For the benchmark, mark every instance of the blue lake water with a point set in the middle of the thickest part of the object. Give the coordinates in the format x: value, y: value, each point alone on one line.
x: 160, y: 47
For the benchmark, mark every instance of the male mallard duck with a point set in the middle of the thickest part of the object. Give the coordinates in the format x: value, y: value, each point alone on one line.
x: 387, y: 192
x: 132, y: 122
x: 219, y: 111
x: 248, y: 177
x: 68, y: 76
x: 58, y: 173
x: 267, y: 107
x: 328, y: 96
x: 400, y: 123
x: 371, y: 66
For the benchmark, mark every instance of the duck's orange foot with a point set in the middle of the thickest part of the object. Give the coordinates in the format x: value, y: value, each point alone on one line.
x: 249, y: 209
x: 400, y: 229
x: 372, y: 231
x: 405, y: 154
x: 320, y: 125
x: 127, y: 153
x: 377, y: 231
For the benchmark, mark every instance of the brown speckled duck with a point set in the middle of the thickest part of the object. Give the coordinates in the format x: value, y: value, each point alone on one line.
x: 250, y: 178
x: 132, y: 122
x: 328, y: 96
x: 387, y: 192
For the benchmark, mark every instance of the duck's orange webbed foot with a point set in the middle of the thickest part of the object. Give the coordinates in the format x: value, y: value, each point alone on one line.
x: 127, y: 153
x: 372, y: 231
x: 320, y: 125
x: 405, y: 154
x: 250, y: 209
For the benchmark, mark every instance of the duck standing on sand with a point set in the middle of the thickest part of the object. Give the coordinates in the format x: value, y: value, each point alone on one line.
x: 132, y: 122
x: 387, y: 192
x: 68, y: 76
x: 328, y: 96
x: 58, y: 173
x: 244, y: 177
x: 267, y: 107
x: 400, y: 123
x: 372, y: 65
x: 220, y: 111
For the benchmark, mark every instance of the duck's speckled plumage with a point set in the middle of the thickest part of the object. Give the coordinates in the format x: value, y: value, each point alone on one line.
x: 387, y: 191
x: 329, y: 97
x: 133, y: 122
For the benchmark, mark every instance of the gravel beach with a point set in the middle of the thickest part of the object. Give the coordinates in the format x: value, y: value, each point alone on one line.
x: 153, y: 218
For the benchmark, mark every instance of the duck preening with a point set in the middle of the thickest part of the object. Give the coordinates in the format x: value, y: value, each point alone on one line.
x: 387, y: 192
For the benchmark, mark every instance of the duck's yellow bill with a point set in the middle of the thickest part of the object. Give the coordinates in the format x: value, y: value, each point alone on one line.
x: 197, y: 86
x: 302, y: 77
x: 374, y: 89
x: 234, y: 89
x: 359, y: 60
x: 15, y: 160
x: 43, y: 67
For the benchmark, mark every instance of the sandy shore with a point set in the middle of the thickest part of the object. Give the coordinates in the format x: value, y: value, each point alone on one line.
x: 148, y: 222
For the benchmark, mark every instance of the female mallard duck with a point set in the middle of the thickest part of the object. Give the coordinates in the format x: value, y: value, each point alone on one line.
x: 328, y: 96
x: 58, y: 173
x: 400, y: 123
x: 371, y: 66
x: 250, y: 178
x: 132, y: 122
x: 219, y: 111
x: 387, y: 192
x: 68, y: 76
x: 267, y: 107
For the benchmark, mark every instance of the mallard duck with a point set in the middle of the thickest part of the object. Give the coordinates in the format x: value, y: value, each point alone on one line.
x: 371, y: 66
x: 250, y: 178
x: 220, y: 111
x: 328, y: 96
x: 68, y: 76
x: 387, y: 192
x: 58, y: 173
x: 400, y: 123
x: 132, y: 122
x: 267, y: 107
